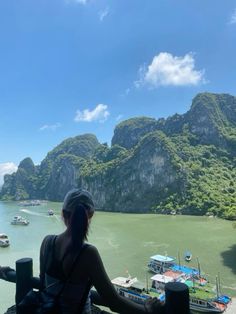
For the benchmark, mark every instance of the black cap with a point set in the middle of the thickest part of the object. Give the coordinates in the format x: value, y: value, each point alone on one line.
x: 77, y: 196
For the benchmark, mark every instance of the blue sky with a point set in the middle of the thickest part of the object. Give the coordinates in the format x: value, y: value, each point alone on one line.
x: 69, y: 67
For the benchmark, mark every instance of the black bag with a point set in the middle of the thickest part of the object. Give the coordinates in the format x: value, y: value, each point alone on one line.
x: 42, y: 302
x: 39, y: 302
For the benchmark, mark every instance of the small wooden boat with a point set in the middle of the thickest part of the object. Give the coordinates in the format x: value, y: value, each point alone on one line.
x: 4, y: 241
x: 187, y: 256
x: 50, y: 212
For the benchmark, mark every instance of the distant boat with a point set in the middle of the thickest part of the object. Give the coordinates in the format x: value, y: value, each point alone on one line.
x: 4, y: 241
x: 30, y: 203
x: 50, y: 212
x: 18, y: 220
x: 187, y: 256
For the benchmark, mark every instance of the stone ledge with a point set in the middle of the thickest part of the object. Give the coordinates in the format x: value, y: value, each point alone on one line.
x: 95, y: 310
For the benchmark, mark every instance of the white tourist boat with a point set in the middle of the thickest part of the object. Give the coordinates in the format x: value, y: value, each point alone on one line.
x: 133, y: 289
x: 18, y: 220
x: 160, y: 263
x: 4, y: 240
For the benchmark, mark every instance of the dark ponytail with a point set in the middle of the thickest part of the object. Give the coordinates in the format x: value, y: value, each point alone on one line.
x: 77, y: 224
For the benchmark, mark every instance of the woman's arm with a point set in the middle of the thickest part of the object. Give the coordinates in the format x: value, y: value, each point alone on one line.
x: 105, y: 288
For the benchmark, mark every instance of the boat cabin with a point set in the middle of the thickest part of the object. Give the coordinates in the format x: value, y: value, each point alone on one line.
x: 4, y: 241
x: 160, y: 263
x: 159, y: 281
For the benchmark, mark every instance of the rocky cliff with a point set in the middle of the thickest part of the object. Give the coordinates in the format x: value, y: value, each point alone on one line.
x: 184, y: 163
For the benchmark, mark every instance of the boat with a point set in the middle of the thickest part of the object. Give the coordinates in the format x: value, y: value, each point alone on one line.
x: 50, y: 212
x: 160, y: 263
x: 4, y: 240
x: 30, y: 203
x: 201, y: 298
x: 133, y: 289
x: 18, y: 220
x: 187, y: 256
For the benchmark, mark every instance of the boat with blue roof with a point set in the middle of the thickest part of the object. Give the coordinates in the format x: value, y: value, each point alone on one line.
x: 160, y: 263
x: 203, y: 296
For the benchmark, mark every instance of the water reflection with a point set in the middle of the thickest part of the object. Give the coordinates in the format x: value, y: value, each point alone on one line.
x: 229, y: 258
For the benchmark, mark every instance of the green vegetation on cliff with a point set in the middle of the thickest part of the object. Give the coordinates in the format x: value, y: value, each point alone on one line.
x: 184, y: 163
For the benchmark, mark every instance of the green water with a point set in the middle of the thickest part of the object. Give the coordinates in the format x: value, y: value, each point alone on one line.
x: 125, y: 242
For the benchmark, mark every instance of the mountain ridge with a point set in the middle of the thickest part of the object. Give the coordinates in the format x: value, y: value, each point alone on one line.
x: 184, y: 163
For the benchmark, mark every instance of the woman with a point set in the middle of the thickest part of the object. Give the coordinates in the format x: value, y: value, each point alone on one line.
x: 66, y: 258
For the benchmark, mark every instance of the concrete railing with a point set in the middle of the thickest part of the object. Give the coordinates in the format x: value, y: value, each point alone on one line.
x: 176, y: 294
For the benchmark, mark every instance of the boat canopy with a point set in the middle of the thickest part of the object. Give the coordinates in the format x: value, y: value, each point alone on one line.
x: 162, y: 258
x: 161, y: 278
x: 3, y: 236
x: 138, y: 286
x: 223, y: 299
x: 124, y: 281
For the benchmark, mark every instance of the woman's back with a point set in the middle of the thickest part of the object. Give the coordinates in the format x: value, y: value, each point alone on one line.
x: 61, y: 275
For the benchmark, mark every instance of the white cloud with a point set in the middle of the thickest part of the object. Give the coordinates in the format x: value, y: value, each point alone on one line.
x: 167, y: 69
x: 51, y: 127
x: 99, y: 113
x: 77, y: 1
x: 233, y: 18
x: 102, y: 14
x: 6, y: 168
x: 119, y: 117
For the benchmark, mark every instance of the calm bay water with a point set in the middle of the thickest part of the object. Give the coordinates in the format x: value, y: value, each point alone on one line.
x: 125, y: 241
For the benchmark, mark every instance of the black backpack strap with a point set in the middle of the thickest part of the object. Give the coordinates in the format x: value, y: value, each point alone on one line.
x: 89, y: 283
x: 84, y: 297
x: 84, y: 246
x: 49, y: 251
x: 88, y: 286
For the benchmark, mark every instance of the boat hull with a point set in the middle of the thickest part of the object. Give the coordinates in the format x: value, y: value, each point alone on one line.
x: 4, y: 244
x: 205, y: 310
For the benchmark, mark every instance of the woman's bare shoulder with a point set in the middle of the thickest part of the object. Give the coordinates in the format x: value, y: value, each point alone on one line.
x: 92, y: 252
x: 45, y: 240
x: 91, y: 249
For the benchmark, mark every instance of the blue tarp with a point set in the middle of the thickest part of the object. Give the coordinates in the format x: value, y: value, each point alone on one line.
x: 223, y: 299
x: 185, y: 269
x: 162, y: 297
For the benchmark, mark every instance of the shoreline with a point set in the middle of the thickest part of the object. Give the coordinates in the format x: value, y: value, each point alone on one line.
x: 148, y: 212
x: 130, y: 211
